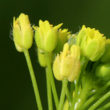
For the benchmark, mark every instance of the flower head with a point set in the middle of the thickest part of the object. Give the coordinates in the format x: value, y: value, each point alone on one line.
x: 46, y: 36
x: 67, y: 64
x: 22, y: 32
x: 92, y: 43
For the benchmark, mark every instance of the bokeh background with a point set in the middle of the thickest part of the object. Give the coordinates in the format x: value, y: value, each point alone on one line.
x: 16, y: 92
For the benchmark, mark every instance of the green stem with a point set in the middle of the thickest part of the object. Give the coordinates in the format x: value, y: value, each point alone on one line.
x: 95, y: 96
x: 105, y: 106
x: 51, y: 78
x: 49, y: 91
x: 63, y: 92
x: 99, y: 101
x: 33, y: 79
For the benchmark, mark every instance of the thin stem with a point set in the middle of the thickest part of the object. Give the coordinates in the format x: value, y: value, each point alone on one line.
x: 51, y: 78
x: 99, y: 101
x: 33, y: 79
x: 49, y: 91
x: 95, y: 95
x: 105, y: 106
x: 63, y: 92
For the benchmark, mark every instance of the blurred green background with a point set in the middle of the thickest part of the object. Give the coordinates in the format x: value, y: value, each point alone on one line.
x: 16, y: 92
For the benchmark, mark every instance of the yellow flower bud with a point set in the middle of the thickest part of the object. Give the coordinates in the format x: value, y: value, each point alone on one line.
x: 103, y: 72
x: 62, y: 39
x: 106, y: 56
x: 46, y: 36
x: 42, y: 58
x: 22, y: 32
x: 67, y: 64
x: 92, y: 43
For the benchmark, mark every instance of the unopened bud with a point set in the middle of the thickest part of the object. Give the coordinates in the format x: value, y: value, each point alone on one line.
x: 67, y: 64
x: 22, y: 32
x: 103, y: 72
x: 92, y: 43
x: 46, y: 36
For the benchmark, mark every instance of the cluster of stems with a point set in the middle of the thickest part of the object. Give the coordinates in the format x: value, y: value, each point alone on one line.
x: 81, y: 99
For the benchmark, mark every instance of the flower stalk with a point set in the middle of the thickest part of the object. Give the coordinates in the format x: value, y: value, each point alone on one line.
x: 33, y: 79
x: 49, y: 94
x: 100, y: 91
x: 63, y: 93
x: 100, y: 101
x: 51, y: 78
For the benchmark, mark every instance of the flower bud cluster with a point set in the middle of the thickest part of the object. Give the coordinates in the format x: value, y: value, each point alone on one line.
x: 47, y: 38
x: 95, y: 47
x: 89, y: 43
